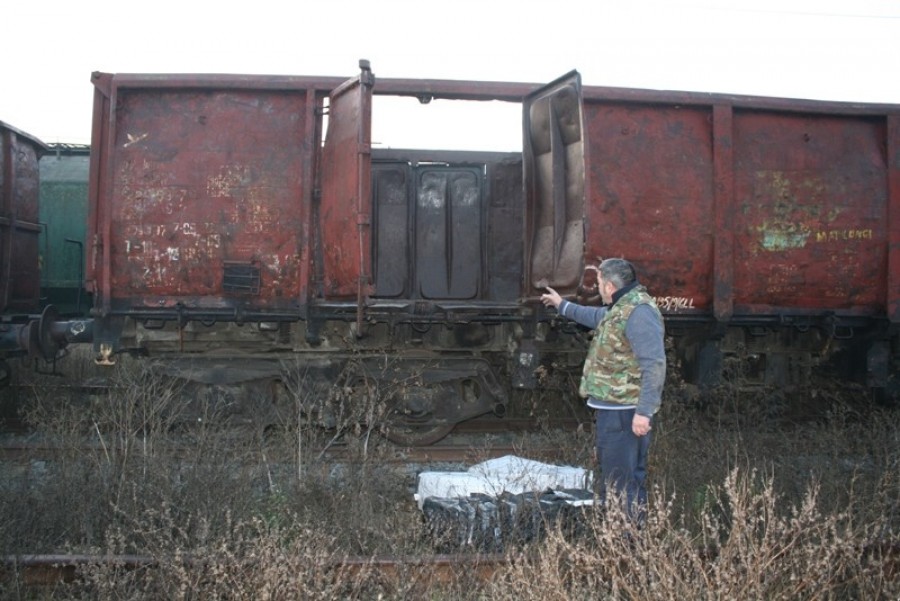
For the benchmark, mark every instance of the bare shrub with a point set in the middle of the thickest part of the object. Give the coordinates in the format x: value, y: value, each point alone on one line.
x: 248, y: 560
x: 752, y: 546
x: 761, y: 508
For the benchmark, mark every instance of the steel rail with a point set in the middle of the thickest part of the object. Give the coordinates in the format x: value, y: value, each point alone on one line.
x: 33, y: 571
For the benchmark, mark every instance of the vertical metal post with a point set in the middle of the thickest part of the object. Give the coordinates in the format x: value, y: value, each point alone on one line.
x: 723, y: 245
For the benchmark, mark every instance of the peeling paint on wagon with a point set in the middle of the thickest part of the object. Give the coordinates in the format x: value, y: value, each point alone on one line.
x: 228, y: 181
x: 717, y: 199
x: 232, y: 203
x: 651, y: 166
x: 799, y: 175
x: 784, y: 236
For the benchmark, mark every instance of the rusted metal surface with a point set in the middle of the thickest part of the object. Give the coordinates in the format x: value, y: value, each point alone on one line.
x: 731, y: 210
x: 198, y: 197
x: 727, y: 204
x: 652, y: 194
x: 19, y: 219
x: 893, y: 221
x: 811, y: 207
x: 346, y: 206
x: 215, y: 204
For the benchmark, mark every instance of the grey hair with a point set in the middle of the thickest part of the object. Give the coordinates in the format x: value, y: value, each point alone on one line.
x: 618, y: 272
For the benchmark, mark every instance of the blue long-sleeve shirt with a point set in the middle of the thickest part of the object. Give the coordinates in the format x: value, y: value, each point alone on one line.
x: 645, y: 333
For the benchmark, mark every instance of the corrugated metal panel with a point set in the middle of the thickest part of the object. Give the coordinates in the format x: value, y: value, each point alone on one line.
x: 506, y: 229
x: 555, y: 184
x: 449, y: 233
x: 390, y: 186
x: 448, y: 225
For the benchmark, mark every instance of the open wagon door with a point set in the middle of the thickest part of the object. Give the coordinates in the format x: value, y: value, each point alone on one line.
x: 555, y: 185
x: 346, y: 190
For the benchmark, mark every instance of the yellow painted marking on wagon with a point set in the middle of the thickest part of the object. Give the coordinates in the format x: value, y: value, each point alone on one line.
x: 847, y: 235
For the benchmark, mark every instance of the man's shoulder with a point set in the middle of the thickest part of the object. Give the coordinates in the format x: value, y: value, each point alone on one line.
x: 645, y: 313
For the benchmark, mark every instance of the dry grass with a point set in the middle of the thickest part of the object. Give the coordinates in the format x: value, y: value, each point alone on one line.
x: 751, y: 499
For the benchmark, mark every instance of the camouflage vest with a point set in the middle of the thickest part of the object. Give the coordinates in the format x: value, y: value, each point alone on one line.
x: 611, y: 371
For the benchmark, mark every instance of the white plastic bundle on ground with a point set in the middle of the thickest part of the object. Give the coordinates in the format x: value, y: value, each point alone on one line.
x: 509, y: 474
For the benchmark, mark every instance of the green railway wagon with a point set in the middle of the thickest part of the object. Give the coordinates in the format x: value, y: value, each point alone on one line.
x: 63, y: 215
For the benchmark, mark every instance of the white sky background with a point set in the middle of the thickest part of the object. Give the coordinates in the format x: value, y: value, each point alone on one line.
x: 846, y: 50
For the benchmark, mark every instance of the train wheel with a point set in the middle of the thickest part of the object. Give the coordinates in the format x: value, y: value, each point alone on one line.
x: 407, y: 431
x: 413, y: 419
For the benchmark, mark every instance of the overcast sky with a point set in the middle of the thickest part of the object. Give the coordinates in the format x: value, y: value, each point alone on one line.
x: 846, y: 50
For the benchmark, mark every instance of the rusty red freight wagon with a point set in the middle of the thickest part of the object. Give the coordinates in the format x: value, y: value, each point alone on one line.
x: 20, y: 252
x: 19, y: 220
x: 249, y: 216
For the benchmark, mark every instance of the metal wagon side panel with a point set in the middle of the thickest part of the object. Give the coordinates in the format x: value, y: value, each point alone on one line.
x: 19, y: 220
x: 746, y: 206
x: 651, y: 169
x: 811, y: 219
x: 200, y: 192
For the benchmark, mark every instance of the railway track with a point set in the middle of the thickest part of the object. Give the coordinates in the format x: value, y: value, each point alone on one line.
x: 451, y: 453
x: 469, y: 442
x: 36, y: 571
x: 42, y: 571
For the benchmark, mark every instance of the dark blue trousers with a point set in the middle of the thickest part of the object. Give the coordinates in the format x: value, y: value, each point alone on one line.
x: 623, y: 459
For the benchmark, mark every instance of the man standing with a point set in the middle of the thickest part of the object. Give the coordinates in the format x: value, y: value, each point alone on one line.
x: 623, y: 377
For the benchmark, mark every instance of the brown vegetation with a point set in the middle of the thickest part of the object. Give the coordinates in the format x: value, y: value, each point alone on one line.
x: 755, y: 496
